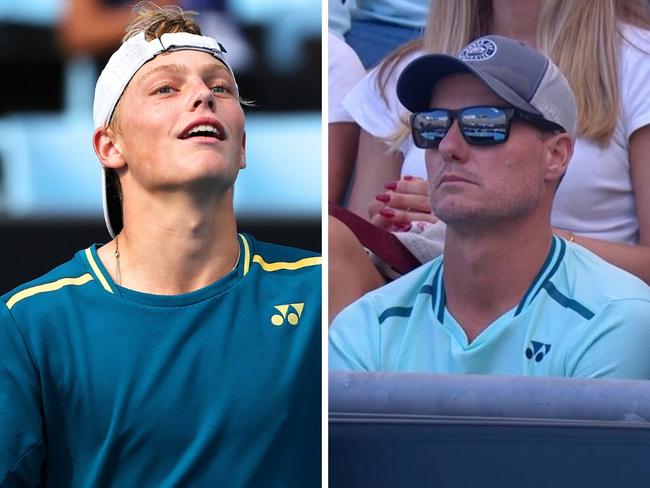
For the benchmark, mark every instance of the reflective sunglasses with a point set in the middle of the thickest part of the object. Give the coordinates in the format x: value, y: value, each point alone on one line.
x: 480, y: 126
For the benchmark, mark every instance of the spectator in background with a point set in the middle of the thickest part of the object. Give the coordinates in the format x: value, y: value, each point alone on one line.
x: 95, y: 27
x: 344, y: 71
x: 507, y: 296
x: 338, y: 20
x: 180, y: 352
x: 376, y: 27
x: 600, y: 203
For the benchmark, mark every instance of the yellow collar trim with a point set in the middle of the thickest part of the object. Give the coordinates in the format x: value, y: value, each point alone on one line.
x: 97, y: 272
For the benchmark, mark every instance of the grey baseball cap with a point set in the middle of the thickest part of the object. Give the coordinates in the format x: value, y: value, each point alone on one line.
x: 522, y: 76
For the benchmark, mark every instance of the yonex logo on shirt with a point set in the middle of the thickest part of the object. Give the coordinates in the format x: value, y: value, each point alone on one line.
x: 290, y: 313
x: 537, y: 350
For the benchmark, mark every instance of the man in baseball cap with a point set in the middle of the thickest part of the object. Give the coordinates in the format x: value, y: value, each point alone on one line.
x: 181, y: 353
x: 507, y: 296
x: 523, y: 77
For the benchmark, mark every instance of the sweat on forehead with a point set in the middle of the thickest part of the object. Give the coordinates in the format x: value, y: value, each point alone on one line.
x: 135, y: 53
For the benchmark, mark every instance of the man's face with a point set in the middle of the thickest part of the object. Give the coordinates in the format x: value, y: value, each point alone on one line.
x: 180, y: 124
x: 481, y: 185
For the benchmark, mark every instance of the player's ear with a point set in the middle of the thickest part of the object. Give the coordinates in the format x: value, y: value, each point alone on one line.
x: 559, y: 152
x: 242, y: 162
x: 107, y: 148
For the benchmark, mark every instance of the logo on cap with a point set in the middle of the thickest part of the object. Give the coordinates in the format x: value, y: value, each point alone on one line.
x: 478, y: 50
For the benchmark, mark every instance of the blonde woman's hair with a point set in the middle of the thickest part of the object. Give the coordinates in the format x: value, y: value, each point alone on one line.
x: 582, y: 37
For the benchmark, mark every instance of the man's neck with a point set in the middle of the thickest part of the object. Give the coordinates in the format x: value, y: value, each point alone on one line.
x: 173, y: 249
x: 487, y: 274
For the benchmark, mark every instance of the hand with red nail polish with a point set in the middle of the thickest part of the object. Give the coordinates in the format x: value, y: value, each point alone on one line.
x: 383, y: 197
x: 408, y: 201
x: 392, y: 185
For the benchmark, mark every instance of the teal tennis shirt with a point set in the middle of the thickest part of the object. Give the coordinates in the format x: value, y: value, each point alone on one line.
x: 580, y: 317
x: 105, y: 386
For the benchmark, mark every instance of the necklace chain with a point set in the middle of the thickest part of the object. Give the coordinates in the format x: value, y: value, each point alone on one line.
x: 118, y: 274
x: 118, y: 277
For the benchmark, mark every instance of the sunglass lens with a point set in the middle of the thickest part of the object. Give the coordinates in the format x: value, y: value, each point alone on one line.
x: 429, y: 128
x: 484, y: 125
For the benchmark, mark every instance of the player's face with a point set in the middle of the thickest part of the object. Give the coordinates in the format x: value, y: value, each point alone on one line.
x: 480, y: 185
x: 180, y: 124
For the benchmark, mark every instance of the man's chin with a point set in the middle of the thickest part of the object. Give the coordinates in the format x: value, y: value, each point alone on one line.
x: 458, y: 215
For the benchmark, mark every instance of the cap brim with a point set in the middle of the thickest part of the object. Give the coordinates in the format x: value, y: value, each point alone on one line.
x: 112, y: 205
x: 415, y: 84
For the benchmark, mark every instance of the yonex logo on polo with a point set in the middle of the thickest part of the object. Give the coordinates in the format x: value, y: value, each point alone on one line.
x: 290, y: 313
x: 537, y: 350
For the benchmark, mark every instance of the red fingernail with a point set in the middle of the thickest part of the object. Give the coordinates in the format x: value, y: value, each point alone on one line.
x: 409, y: 177
x: 387, y: 212
x: 383, y: 197
x: 391, y: 186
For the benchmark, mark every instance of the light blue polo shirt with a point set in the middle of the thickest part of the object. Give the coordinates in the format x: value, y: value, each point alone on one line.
x: 580, y: 317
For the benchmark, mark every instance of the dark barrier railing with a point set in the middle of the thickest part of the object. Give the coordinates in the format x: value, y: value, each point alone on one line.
x: 403, y: 430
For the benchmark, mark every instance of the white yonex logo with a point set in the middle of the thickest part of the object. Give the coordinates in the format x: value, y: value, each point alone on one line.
x: 478, y: 51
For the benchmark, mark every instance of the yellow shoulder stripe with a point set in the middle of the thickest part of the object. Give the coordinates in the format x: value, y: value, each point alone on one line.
x: 97, y: 272
x: 53, y: 286
x: 302, y: 263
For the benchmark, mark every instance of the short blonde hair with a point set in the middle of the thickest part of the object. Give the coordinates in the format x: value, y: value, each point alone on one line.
x: 155, y: 21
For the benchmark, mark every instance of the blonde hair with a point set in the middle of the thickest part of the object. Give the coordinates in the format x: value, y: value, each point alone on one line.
x: 582, y: 37
x: 155, y: 21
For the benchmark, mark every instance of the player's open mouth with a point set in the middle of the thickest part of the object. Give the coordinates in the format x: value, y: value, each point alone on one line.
x: 213, y: 130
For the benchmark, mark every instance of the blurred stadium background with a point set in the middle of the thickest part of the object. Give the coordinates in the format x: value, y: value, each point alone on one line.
x: 50, y: 202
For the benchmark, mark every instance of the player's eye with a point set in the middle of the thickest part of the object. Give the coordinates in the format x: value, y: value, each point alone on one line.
x: 164, y: 89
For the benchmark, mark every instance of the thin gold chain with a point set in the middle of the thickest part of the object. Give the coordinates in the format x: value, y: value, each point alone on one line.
x: 118, y: 274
